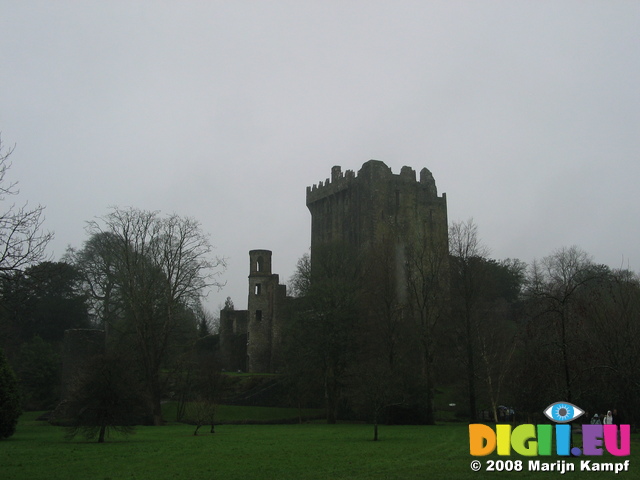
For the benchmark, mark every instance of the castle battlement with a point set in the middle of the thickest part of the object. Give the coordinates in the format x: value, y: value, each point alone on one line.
x: 338, y: 181
x: 371, y: 171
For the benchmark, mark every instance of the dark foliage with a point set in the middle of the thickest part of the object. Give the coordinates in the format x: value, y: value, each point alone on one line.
x: 44, y: 301
x: 38, y: 370
x: 105, y: 398
x: 322, y: 335
x: 9, y: 399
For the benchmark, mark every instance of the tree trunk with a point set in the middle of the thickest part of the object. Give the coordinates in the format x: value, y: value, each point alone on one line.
x: 330, y: 393
x: 565, y: 354
x: 430, y: 417
x: 157, y: 412
x: 428, y: 380
x: 103, y: 429
x: 332, y: 417
x: 471, y: 374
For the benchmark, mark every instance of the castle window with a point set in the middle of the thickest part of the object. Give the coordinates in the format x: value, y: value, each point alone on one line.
x: 257, y: 289
x: 259, y: 264
x: 258, y: 315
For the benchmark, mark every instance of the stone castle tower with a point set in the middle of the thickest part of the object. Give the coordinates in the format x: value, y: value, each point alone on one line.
x: 265, y: 305
x: 250, y: 339
x: 376, y: 205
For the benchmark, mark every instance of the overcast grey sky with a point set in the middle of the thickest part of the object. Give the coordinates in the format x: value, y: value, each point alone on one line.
x: 526, y: 112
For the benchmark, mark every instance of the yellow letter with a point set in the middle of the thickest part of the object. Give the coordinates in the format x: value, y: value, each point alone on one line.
x: 503, y: 432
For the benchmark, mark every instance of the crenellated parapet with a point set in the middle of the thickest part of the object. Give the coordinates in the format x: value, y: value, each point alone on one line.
x: 338, y: 181
x: 371, y: 171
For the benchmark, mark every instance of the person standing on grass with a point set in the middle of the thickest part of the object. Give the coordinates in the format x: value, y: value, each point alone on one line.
x: 616, y: 417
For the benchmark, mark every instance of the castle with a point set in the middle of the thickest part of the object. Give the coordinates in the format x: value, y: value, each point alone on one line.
x: 360, y: 210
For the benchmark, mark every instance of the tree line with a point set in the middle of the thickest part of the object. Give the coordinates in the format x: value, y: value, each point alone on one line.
x: 488, y: 335
x: 469, y: 330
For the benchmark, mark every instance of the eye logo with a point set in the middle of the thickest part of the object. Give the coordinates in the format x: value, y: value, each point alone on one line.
x: 563, y: 412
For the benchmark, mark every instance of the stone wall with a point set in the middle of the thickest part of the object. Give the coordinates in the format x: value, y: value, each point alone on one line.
x: 233, y: 339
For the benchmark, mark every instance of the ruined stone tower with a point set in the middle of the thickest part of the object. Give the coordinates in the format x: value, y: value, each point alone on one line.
x: 250, y: 339
x: 265, y: 297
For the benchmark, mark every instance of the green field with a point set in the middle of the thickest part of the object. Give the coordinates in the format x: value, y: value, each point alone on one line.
x: 236, y: 414
x: 307, y: 451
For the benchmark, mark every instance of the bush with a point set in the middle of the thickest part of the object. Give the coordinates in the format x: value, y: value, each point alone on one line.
x: 9, y: 399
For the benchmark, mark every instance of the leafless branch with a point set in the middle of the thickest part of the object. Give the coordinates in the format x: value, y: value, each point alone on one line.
x: 22, y: 239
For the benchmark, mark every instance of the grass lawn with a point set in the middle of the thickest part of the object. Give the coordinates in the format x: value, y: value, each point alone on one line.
x: 307, y: 451
x: 238, y: 414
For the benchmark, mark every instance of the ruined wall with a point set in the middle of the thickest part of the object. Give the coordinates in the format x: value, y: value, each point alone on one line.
x: 234, y: 325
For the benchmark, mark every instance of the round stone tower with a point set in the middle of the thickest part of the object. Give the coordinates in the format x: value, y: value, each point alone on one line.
x: 260, y: 262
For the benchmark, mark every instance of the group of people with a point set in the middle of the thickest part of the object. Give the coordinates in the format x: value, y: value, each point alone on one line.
x: 609, y: 419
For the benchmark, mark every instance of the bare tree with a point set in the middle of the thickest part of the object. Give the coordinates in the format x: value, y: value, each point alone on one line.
x: 300, y: 281
x: 427, y: 285
x: 377, y: 386
x: 157, y: 267
x: 384, y: 308
x: 555, y: 283
x: 613, y: 337
x: 22, y: 240
x: 379, y: 372
x: 323, y: 332
x: 97, y: 262
x: 496, y: 346
x: 468, y: 257
x: 203, y: 412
